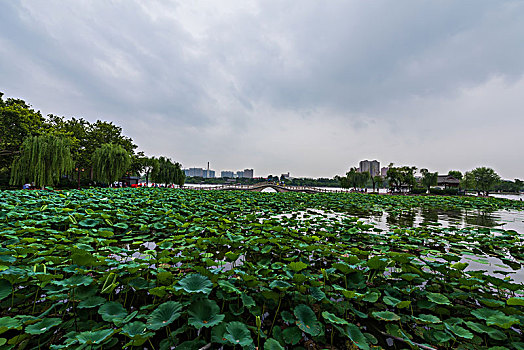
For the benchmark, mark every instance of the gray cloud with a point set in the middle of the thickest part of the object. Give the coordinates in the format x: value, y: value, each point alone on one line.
x: 306, y: 87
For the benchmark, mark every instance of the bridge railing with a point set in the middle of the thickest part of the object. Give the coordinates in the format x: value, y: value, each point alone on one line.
x: 260, y: 185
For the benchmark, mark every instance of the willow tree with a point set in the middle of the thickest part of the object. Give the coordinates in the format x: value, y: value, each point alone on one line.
x: 42, y: 160
x: 110, y: 162
x: 168, y: 173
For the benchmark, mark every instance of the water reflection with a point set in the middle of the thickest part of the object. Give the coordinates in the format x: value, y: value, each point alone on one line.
x: 402, y: 219
x: 507, y: 220
x: 481, y: 218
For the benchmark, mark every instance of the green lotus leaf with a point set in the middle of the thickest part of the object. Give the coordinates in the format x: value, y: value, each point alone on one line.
x: 511, y: 301
x: 441, y: 336
x: 518, y: 345
x: 75, y: 281
x: 460, y: 331
x: 217, y: 333
x: 502, y: 321
x: 95, y: 337
x: 377, y: 263
x: 272, y: 344
x: 282, y: 285
x: 404, y: 304
x: 164, y: 277
x: 204, y: 313
x: 7, y: 259
x: 482, y: 328
x: 391, y: 301
x: 89, y: 223
x: 195, y: 283
x: 247, y: 301
x: 357, y: 337
x: 371, y: 297
x: 91, y: 302
x: 306, y: 320
x: 127, y: 318
x: 409, y: 276
x: 7, y: 323
x: 297, y: 266
x: 459, y: 266
x: 135, y: 330
x: 140, y: 283
x: 238, y: 334
x: 332, y: 318
x: 228, y: 287
x: 121, y: 225
x: 385, y: 315
x: 438, y: 298
x: 164, y: 315
x: 83, y: 258
x: 159, y: 226
x: 5, y: 288
x: 344, y: 268
x: 187, y: 345
x: 492, y: 303
x: 112, y: 311
x: 485, y: 313
x: 232, y: 256
x: 317, y: 293
x: 477, y: 327
x: 292, y: 335
x: 427, y: 318
x: 287, y: 317
x: 235, y: 309
x: 300, y: 278
x: 43, y: 326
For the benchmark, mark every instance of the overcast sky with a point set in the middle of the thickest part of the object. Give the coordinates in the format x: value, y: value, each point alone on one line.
x: 309, y: 87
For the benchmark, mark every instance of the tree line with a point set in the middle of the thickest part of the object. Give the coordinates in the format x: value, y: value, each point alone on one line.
x: 49, y: 150
x: 402, y: 179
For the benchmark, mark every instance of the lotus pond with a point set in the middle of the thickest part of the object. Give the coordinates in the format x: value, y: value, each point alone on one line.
x: 185, y: 269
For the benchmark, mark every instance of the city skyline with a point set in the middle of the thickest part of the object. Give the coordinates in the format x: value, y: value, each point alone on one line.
x: 306, y: 87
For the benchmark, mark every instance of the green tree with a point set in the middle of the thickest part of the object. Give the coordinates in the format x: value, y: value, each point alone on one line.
x: 484, y: 179
x: 110, y: 162
x: 343, y: 180
x: 355, y: 179
x: 168, y: 172
x: 428, y: 179
x: 378, y: 181
x: 42, y: 160
x: 519, y: 184
x: 399, y: 177
x: 456, y: 174
x: 147, y: 166
x: 78, y: 132
x: 17, y: 122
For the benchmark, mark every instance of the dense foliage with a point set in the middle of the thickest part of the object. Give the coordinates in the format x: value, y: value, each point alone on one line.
x: 168, y: 172
x: 42, y: 160
x: 157, y: 268
x: 19, y: 123
x: 110, y: 162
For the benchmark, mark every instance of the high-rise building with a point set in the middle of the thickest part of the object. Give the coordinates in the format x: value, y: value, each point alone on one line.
x: 194, y: 172
x: 240, y: 174
x: 384, y: 171
x: 373, y: 167
x: 209, y: 174
x: 248, y: 173
x: 229, y: 174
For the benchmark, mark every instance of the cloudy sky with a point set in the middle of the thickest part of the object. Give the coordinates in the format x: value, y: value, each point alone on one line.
x: 309, y: 87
